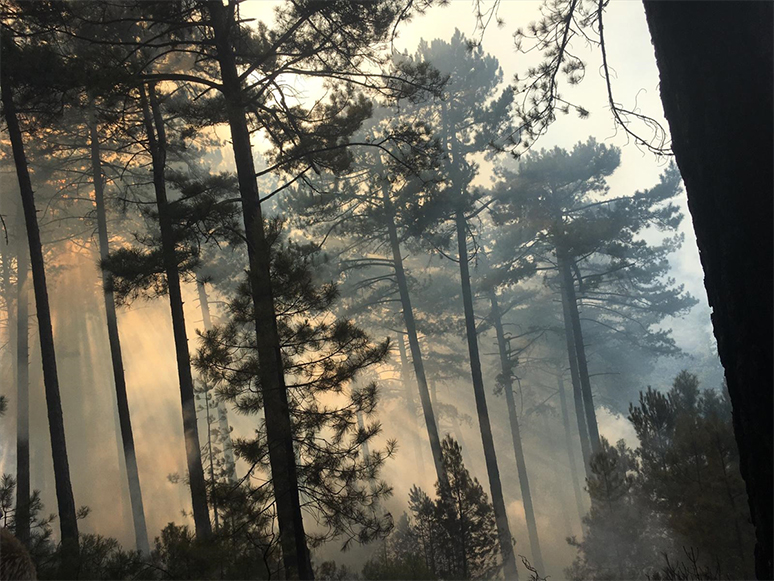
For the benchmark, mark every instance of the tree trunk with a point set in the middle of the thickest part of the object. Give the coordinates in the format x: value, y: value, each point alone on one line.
x: 68, y: 523
x: 411, y: 408
x: 577, y: 390
x: 22, y: 391
x: 526, y: 496
x: 568, y: 288
x: 568, y: 444
x: 493, y: 472
x: 411, y: 331
x: 124, y: 418
x: 220, y: 407
x: 154, y: 126
x: 723, y: 146
x: 279, y: 430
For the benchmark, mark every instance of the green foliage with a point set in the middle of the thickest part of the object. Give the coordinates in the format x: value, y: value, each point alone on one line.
x: 675, y: 508
x: 621, y: 539
x: 322, y: 358
x: 690, y: 472
x: 455, y: 534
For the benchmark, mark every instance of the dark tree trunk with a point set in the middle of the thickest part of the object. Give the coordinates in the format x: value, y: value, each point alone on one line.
x: 568, y: 444
x: 715, y: 63
x: 411, y: 408
x: 569, y: 297
x: 22, y: 390
x: 576, y: 386
x: 279, y: 431
x: 124, y: 418
x: 493, y: 472
x: 507, y: 383
x: 68, y: 523
x: 411, y: 331
x: 224, y: 427
x: 154, y: 126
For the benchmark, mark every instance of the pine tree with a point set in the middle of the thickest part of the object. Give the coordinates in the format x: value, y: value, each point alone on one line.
x: 457, y: 530
x: 594, y: 242
x: 322, y: 357
x: 9, y: 76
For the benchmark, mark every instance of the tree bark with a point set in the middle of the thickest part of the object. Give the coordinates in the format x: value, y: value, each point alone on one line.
x: 68, y: 523
x: 715, y: 63
x: 279, y: 430
x: 124, y: 417
x: 580, y: 350
x: 411, y: 407
x: 568, y: 444
x: 411, y: 331
x: 493, y: 472
x: 526, y: 495
x: 220, y: 408
x: 572, y: 318
x: 22, y: 391
x: 154, y: 126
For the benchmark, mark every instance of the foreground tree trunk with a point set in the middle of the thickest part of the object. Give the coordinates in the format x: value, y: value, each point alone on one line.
x: 279, y: 430
x: 22, y: 391
x: 526, y: 495
x: 154, y: 126
x: 492, y: 470
x: 725, y: 51
x: 124, y: 418
x: 68, y: 523
x: 413, y: 338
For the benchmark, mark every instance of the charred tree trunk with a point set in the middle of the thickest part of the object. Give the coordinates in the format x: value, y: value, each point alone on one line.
x: 411, y: 407
x: 526, y: 495
x: 68, y: 523
x: 411, y: 331
x: 154, y: 126
x: 279, y: 429
x: 723, y: 146
x: 568, y: 444
x: 22, y: 391
x: 220, y: 408
x: 493, y: 472
x: 124, y: 417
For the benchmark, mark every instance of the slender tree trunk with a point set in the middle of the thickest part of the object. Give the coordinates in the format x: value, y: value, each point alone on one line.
x: 22, y: 391
x: 124, y: 417
x: 411, y: 407
x: 526, y: 496
x: 568, y: 444
x: 580, y: 349
x: 224, y: 428
x: 279, y: 430
x: 154, y: 126
x: 209, y: 452
x: 707, y: 49
x: 68, y: 523
x: 577, y: 393
x: 498, y: 502
x: 411, y: 331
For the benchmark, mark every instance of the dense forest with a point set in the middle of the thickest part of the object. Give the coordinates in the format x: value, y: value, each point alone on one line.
x: 381, y: 290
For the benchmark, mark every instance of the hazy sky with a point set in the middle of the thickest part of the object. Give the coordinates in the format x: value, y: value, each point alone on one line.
x: 635, y: 86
